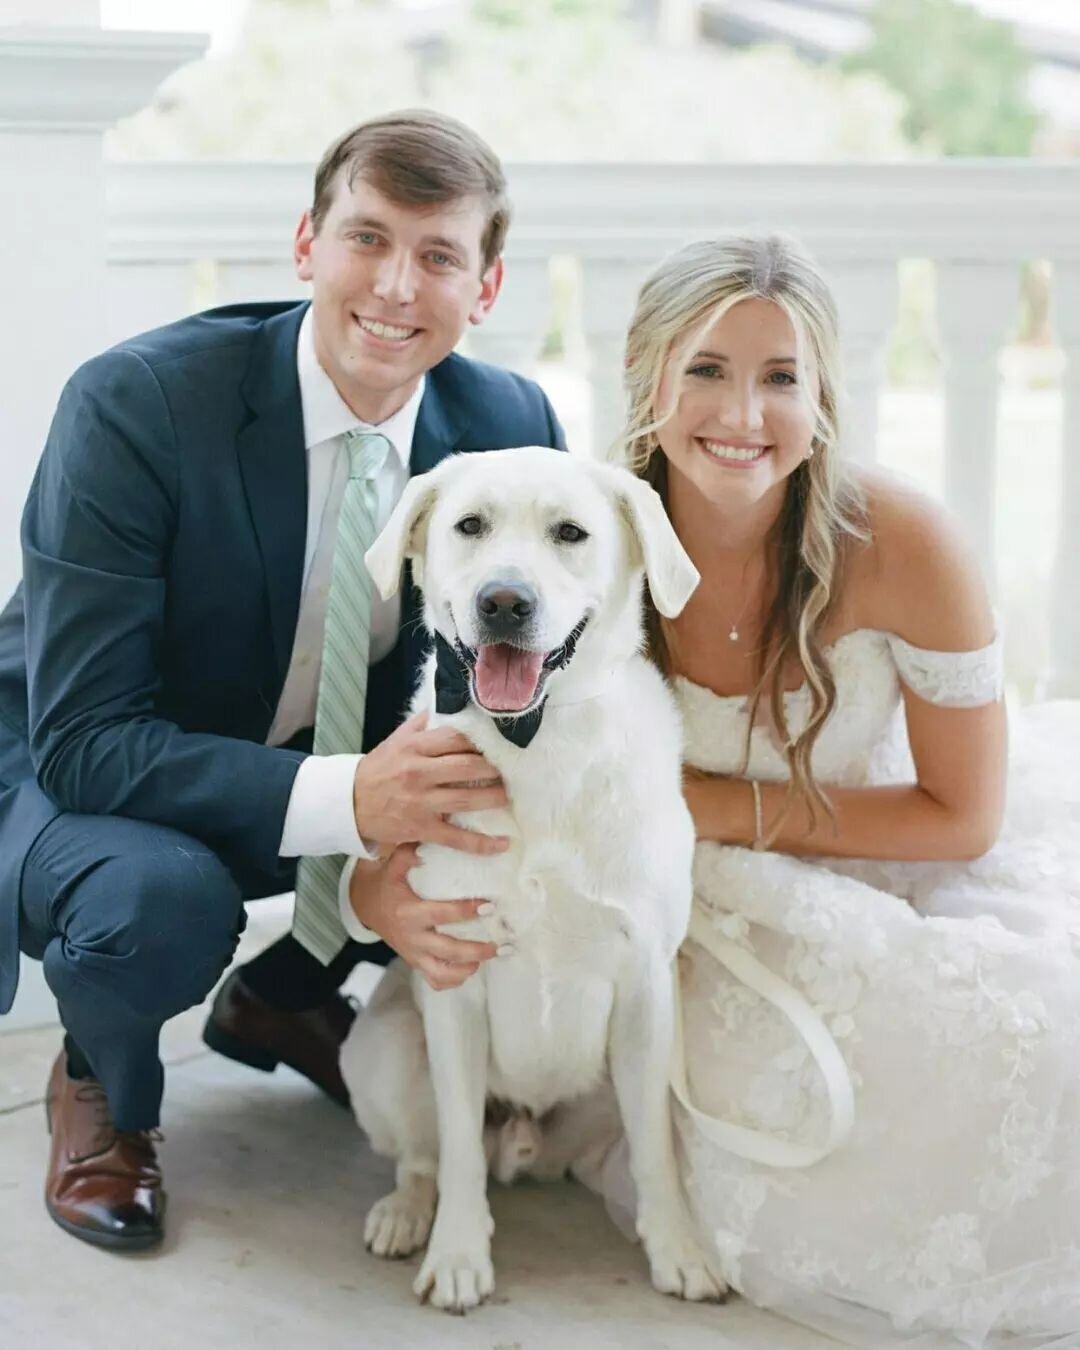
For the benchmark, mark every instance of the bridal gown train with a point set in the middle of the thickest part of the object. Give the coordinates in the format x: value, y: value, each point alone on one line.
x: 879, y: 1130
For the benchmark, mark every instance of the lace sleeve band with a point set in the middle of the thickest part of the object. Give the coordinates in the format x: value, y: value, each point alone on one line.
x: 951, y: 679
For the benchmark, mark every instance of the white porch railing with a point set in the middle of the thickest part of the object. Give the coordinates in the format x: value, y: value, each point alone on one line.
x: 182, y: 236
x: 186, y: 235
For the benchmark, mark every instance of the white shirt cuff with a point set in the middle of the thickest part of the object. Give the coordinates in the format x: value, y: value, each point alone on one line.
x: 320, y: 819
x: 350, y: 922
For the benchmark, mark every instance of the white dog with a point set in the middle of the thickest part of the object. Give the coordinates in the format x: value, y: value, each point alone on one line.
x: 531, y: 564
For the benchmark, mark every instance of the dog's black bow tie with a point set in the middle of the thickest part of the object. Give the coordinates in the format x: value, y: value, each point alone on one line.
x: 452, y: 694
x: 453, y: 690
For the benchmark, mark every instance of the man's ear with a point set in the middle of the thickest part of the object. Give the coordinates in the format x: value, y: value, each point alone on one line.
x: 404, y: 534
x: 490, y: 286
x: 672, y: 577
x: 302, y: 241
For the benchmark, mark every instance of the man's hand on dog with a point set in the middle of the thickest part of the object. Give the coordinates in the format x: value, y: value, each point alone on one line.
x: 384, y: 901
x: 406, y: 787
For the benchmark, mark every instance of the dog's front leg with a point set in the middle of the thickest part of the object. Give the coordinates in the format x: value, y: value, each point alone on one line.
x: 642, y: 1030
x: 457, y: 1273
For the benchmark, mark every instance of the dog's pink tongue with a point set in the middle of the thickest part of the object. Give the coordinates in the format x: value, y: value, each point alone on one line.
x: 506, y: 677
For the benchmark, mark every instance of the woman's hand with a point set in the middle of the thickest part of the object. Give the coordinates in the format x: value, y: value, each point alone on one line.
x: 383, y: 901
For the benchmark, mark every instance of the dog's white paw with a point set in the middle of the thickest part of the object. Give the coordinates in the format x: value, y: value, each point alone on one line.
x: 399, y: 1223
x: 457, y: 1273
x: 679, y: 1267
x: 455, y: 1281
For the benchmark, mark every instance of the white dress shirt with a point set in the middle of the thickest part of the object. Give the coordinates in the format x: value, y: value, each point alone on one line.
x: 320, y: 818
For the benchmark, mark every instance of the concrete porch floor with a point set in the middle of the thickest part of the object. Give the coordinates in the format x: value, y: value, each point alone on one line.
x: 268, y: 1184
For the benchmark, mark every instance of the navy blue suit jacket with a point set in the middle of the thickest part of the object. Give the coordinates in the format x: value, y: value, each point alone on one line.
x: 142, y: 657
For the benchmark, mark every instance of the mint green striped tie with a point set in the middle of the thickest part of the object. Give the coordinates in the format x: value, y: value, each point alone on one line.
x: 339, y: 714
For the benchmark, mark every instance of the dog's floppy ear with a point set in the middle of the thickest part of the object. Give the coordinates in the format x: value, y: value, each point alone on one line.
x: 672, y: 577
x: 403, y: 535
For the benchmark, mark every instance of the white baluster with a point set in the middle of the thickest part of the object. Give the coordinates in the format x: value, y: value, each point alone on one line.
x: 1063, y: 679
x: 609, y: 293
x: 239, y: 282
x: 144, y: 295
x: 865, y: 294
x: 512, y: 333
x: 976, y: 303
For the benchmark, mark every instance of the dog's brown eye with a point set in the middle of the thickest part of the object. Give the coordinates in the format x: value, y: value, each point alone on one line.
x: 569, y: 533
x: 469, y: 525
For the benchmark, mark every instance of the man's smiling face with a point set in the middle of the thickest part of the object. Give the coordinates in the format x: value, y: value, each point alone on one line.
x: 393, y: 288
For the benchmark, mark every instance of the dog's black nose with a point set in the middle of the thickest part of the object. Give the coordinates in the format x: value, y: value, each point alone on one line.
x: 505, y: 607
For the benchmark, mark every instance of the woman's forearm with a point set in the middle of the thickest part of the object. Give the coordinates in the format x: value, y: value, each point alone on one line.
x: 903, y: 822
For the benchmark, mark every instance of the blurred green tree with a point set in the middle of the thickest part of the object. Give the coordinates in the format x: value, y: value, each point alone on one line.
x: 551, y: 80
x: 963, y: 75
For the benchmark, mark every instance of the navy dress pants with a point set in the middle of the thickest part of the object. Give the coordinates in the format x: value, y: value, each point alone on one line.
x: 133, y: 923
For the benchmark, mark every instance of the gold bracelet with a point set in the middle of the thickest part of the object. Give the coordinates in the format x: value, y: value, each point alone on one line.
x: 759, y: 822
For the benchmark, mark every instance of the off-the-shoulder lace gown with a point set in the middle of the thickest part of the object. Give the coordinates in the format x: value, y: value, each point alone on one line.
x: 879, y: 1123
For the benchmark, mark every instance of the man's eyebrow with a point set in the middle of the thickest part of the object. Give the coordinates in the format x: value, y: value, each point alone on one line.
x: 365, y: 222
x: 368, y: 222
x: 442, y: 241
x: 720, y: 358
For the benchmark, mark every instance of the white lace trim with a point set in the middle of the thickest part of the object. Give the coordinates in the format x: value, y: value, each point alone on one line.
x: 951, y: 679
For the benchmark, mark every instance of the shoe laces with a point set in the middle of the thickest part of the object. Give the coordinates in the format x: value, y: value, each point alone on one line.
x: 92, y: 1093
x: 143, y: 1140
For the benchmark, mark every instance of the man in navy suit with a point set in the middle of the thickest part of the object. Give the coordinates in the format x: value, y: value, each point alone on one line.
x: 159, y: 663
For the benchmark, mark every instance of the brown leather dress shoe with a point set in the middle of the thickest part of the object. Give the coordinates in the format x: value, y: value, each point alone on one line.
x: 244, y: 1027
x: 104, y: 1184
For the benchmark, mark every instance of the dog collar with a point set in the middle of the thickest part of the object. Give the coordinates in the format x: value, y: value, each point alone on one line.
x: 453, y: 686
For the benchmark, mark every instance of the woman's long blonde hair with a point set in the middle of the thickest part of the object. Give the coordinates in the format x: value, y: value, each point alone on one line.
x: 823, y: 508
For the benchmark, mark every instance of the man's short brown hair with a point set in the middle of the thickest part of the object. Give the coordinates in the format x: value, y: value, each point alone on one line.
x: 418, y: 158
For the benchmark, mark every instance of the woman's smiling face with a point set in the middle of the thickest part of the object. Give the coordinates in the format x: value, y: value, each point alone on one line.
x: 743, y: 422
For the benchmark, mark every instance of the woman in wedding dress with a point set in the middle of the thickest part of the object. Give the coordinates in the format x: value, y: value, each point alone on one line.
x: 878, y: 1107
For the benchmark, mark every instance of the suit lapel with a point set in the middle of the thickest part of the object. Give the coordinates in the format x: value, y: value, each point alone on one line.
x: 273, y: 466
x: 440, y: 425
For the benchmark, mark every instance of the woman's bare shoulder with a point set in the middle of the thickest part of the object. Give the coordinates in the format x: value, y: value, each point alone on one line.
x: 916, y: 575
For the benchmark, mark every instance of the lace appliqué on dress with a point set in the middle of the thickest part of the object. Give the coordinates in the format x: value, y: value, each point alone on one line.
x: 951, y: 679
x: 950, y: 1216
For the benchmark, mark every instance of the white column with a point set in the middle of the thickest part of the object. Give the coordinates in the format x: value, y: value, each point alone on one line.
x: 1063, y: 679
x: 609, y: 293
x: 865, y: 294
x: 976, y: 301
x: 60, y: 88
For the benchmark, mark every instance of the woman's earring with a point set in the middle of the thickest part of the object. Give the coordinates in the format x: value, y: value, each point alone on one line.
x: 810, y: 453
